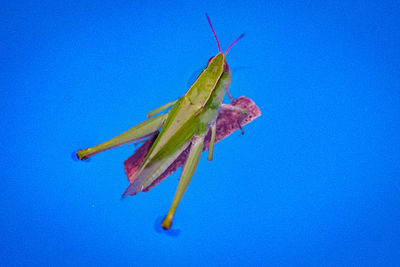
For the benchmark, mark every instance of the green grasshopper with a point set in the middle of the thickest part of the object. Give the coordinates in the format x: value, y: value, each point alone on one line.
x: 185, y: 125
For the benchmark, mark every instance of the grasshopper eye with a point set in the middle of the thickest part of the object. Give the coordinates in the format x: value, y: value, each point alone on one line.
x: 208, y: 62
x: 226, y: 67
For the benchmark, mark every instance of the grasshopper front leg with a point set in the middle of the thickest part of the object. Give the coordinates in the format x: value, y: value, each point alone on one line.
x: 212, y: 141
x: 160, y: 109
x: 186, y: 176
x: 137, y: 132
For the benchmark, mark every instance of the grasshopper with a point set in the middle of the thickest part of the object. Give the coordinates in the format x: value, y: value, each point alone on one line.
x: 184, y: 126
x: 226, y: 124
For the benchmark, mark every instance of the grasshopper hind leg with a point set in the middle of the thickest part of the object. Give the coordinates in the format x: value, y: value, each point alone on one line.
x: 140, y: 131
x: 186, y: 176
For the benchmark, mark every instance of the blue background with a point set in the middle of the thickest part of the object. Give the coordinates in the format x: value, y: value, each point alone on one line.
x: 314, y: 181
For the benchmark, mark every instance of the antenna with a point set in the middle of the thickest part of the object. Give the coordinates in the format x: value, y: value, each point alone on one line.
x: 216, y: 38
x: 237, y: 40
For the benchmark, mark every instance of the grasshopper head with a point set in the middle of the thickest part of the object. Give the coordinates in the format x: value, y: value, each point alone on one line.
x: 218, y: 58
x: 226, y: 67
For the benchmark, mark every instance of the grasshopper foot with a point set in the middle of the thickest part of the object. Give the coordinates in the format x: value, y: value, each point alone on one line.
x: 79, y: 155
x: 240, y: 127
x: 166, y: 224
x: 160, y: 229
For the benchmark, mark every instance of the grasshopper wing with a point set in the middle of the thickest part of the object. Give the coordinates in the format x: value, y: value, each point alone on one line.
x: 173, y: 139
